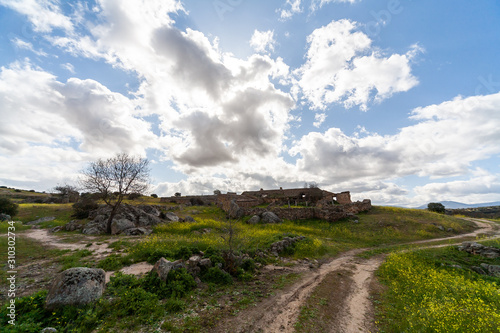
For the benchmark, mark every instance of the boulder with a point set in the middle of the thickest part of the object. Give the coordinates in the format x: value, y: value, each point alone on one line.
x: 42, y: 219
x: 150, y: 210
x: 270, y: 217
x: 120, y: 225
x: 254, y: 219
x: 189, y: 219
x: 73, y: 225
x: 492, y: 270
x: 5, y: 217
x: 137, y: 231
x: 171, y: 217
x: 480, y: 249
x: 163, y: 267
x: 127, y: 217
x: 235, y: 212
x: 75, y: 286
x: 48, y: 330
x: 280, y: 246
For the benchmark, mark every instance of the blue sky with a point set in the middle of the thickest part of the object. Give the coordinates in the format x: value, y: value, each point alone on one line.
x: 396, y: 101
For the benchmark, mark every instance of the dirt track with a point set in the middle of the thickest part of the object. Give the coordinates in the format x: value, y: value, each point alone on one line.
x: 280, y: 313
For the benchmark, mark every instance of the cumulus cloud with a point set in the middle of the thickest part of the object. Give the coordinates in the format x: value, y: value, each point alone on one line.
x: 53, y: 112
x: 263, y: 41
x: 444, y: 143
x: 343, y: 67
x: 482, y: 186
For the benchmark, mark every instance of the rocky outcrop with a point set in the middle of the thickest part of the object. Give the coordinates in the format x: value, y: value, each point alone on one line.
x: 163, y: 267
x: 73, y: 225
x: 128, y: 220
x: 270, y: 217
x: 282, y: 245
x: 75, y: 286
x: 480, y: 249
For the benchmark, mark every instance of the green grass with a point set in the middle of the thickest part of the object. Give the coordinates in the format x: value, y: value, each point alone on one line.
x: 27, y: 250
x: 425, y: 294
x: 31, y: 212
x: 382, y: 227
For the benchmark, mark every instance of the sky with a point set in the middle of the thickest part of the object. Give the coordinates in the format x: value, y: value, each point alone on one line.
x: 397, y: 101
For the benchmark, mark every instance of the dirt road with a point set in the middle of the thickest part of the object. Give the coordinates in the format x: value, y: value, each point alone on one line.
x: 280, y: 313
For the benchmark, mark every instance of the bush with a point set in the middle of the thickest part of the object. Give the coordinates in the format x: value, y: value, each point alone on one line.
x: 8, y: 207
x: 113, y: 262
x: 83, y: 207
x: 175, y: 305
x: 157, y: 254
x: 133, y: 196
x: 217, y: 276
x: 436, y: 207
x: 179, y: 283
x: 154, y: 195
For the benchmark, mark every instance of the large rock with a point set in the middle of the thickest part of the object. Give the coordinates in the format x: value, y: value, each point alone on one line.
x: 270, y: 217
x: 42, y: 219
x: 254, y: 219
x: 127, y: 217
x: 235, y: 211
x: 171, y: 217
x: 5, y: 217
x: 163, y: 267
x: 282, y: 245
x: 75, y: 286
x: 492, y: 270
x: 480, y: 249
x: 73, y: 225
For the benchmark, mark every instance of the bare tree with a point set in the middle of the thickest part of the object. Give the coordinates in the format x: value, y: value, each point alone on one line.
x: 115, y: 178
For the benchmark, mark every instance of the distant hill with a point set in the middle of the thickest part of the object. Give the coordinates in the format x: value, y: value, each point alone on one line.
x: 460, y: 205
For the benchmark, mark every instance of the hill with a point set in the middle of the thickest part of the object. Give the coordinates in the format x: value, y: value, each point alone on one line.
x: 460, y: 205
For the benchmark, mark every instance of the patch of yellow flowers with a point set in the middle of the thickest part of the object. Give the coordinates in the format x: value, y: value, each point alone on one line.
x: 424, y: 298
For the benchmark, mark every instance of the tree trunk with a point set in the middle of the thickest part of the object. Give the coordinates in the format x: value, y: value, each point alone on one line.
x: 110, y: 220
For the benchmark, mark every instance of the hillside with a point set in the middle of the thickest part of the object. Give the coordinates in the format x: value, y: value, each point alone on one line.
x: 217, y: 301
x: 460, y: 205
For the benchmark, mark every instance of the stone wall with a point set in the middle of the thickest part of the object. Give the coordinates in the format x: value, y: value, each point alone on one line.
x: 224, y: 201
x: 192, y: 199
x: 332, y: 213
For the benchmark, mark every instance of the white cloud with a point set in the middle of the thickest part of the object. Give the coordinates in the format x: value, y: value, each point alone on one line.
x: 482, y: 186
x: 69, y: 67
x: 343, y: 67
x: 52, y: 112
x: 43, y: 14
x: 448, y: 138
x: 263, y: 41
x: 320, y: 119
x: 21, y: 44
x: 290, y: 8
x: 317, y: 4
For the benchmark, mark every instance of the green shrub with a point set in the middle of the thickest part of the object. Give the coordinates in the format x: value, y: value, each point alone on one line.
x: 217, y: 276
x: 83, y: 207
x: 120, y: 282
x: 157, y: 254
x: 249, y: 265
x: 173, y: 305
x: 8, y: 207
x: 179, y: 283
x: 114, y: 262
x: 139, y: 303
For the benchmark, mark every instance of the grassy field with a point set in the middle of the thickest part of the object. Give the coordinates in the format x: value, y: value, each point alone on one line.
x: 434, y: 290
x: 147, y: 303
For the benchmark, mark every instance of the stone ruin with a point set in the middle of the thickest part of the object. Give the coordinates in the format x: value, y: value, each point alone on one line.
x: 314, y: 202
